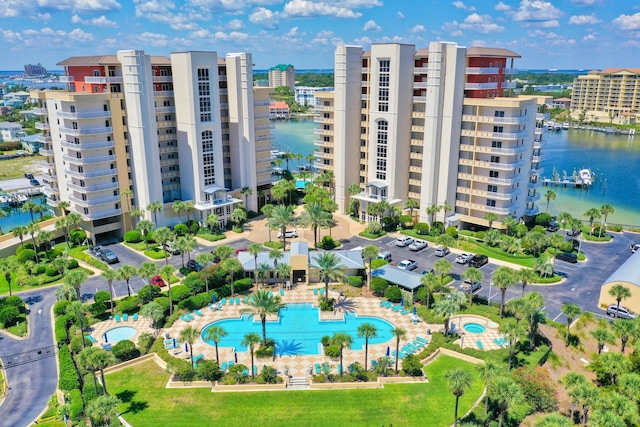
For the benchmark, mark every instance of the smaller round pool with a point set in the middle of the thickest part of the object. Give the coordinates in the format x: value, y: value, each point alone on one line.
x: 474, y: 328
x: 120, y: 333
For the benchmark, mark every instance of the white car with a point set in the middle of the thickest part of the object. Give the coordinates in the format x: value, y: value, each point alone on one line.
x: 417, y: 245
x: 463, y: 258
x: 288, y: 234
x: 404, y: 241
x: 408, y: 264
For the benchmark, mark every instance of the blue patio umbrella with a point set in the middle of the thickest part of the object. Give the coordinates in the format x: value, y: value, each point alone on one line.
x: 174, y: 343
x: 235, y: 355
x: 105, y: 337
x: 186, y: 347
x: 402, y: 302
x: 388, y: 351
x: 415, y: 310
x: 215, y: 297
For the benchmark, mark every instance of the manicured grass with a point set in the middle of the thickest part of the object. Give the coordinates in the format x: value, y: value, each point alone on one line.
x: 19, y: 329
x: 146, y: 400
x: 212, y: 237
x: 156, y: 253
x: 140, y: 246
x: 367, y: 235
x: 4, y: 286
x: 275, y: 244
x: 78, y: 253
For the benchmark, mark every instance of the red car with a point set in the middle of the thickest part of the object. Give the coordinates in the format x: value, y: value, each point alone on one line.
x: 157, y: 280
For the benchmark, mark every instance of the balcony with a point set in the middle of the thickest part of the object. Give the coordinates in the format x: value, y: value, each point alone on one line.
x: 66, y: 79
x: 96, y: 187
x: 318, y: 119
x: 323, y: 155
x: 538, y: 171
x: 510, y: 71
x: 85, y: 115
x: 95, y: 80
x: 87, y: 131
x: 321, y: 143
x: 207, y: 204
x: 163, y: 93
x: 322, y: 166
x: 40, y: 111
x: 419, y: 99
x: 480, y: 86
x: 91, y: 174
x: 320, y: 131
x: 42, y: 126
x: 94, y: 201
x: 101, y: 214
x: 264, y: 127
x: 531, y: 211
x: 165, y: 109
x: 45, y: 152
x: 533, y: 198
x: 44, y: 139
x: 534, y: 185
x: 87, y: 145
x: 493, y: 119
x: 480, y: 70
x: 420, y: 70
x: 417, y: 156
x: 89, y: 160
x: 500, y: 210
x: 50, y: 177
x: 420, y: 85
x: 162, y: 79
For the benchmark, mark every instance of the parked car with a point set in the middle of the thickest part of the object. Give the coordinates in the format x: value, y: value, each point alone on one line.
x: 408, y: 264
x: 623, y: 312
x: 478, y: 261
x: 193, y: 265
x: 158, y: 281
x: 463, y: 258
x: 635, y: 247
x: 108, y: 256
x: 34, y: 182
x: 418, y: 245
x: 288, y: 234
x: 442, y: 251
x: 404, y: 241
x: 467, y: 286
x: 386, y: 255
x: 553, y: 226
x: 171, y: 248
x: 574, y: 233
x: 429, y: 270
x: 568, y: 257
x: 28, y: 175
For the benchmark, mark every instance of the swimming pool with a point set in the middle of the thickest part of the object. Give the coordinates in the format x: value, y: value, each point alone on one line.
x: 301, y: 183
x: 120, y: 333
x: 299, y: 330
x: 474, y: 328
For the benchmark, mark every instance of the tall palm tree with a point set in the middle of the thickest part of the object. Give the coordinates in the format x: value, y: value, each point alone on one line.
x: 503, y: 278
x: 564, y: 219
x: 164, y: 235
x: 283, y: 271
x: 267, y: 210
x: 343, y: 340
x: 63, y: 225
x: 178, y: 207
x: 329, y: 269
x: 126, y: 194
x: 246, y: 192
x: 442, y: 267
x: 155, y: 207
x: 429, y: 283
x: 63, y: 206
x: 509, y: 222
x: 189, y: 335
x: 625, y: 330
x: 232, y: 266
x: 549, y: 195
x: 33, y: 229
x: 145, y: 227
x: 400, y: 334
x: 525, y: 276
x: 103, y: 409
x: 190, y: 244
x: 605, y: 210
x: 603, y: 336
x: 314, y: 216
x: 137, y: 213
x: 109, y: 276
x: 254, y: 250
x: 506, y: 393
x: 592, y: 214
x: 370, y: 252
x: 40, y: 210
x: 445, y: 208
x: 239, y: 216
x: 274, y: 255
x: 367, y: 331
x: 447, y: 307
x: 432, y: 211
x: 148, y: 270
x: 78, y: 310
x: 75, y: 279
x: 182, y: 244
x: 126, y: 273
x: 262, y: 272
x: 535, y: 240
x: 100, y: 360
x: 310, y: 158
x: 213, y: 222
x: 153, y: 311
x: 459, y: 382
x: 7, y: 267
x: 30, y: 207
x: 260, y: 305
x: 411, y: 204
x: 223, y: 252
x: 215, y: 333
x: 251, y: 340
x: 473, y: 275
x: 282, y: 217
x: 74, y: 220
x: 84, y: 359
x: 20, y: 231
x: 166, y: 272
x: 488, y: 371
x: 555, y: 240
x: 619, y: 292
x: 490, y: 217
x: 188, y: 207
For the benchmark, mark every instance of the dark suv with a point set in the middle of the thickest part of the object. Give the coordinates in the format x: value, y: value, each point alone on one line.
x: 568, y: 257
x: 194, y: 265
x: 478, y: 261
x: 108, y: 256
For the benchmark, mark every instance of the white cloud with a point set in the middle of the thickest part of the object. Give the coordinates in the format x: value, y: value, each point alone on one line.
x: 536, y: 11
x: 371, y: 26
x: 327, y: 37
x: 583, y: 2
x: 475, y: 23
x: 584, y: 19
x: 200, y: 34
x: 265, y: 17
x: 39, y: 8
x: 76, y: 19
x: 232, y: 36
x: 627, y: 22
x: 80, y: 35
x: 228, y: 5
x: 161, y: 11
x: 400, y: 15
x: 102, y: 21
x: 235, y: 24
x: 293, y: 32
x: 589, y: 38
x: 460, y: 5
x: 334, y: 8
x: 548, y: 24
x: 501, y: 7
x: 418, y: 29
x: 478, y: 43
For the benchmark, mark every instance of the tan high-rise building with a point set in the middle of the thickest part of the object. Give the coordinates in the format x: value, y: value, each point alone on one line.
x: 610, y: 92
x: 429, y: 125
x: 282, y: 75
x: 189, y: 128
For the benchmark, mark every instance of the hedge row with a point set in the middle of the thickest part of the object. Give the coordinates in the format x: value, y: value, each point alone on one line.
x: 69, y: 379
x: 76, y: 405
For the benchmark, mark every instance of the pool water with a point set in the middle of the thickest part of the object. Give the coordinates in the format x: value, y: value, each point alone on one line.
x: 120, y: 333
x: 298, y: 330
x: 474, y: 328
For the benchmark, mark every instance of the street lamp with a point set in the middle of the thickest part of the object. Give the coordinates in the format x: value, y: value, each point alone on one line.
x: 489, y: 299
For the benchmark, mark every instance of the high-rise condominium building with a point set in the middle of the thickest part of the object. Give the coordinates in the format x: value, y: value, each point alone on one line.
x: 430, y: 125
x: 133, y: 129
x: 35, y: 70
x: 613, y: 91
x: 282, y: 75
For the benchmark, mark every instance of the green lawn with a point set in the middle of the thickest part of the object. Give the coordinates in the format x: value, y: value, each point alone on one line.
x: 4, y: 286
x: 146, y: 401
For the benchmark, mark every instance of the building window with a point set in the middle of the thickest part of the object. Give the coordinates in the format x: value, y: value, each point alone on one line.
x: 495, y: 159
x: 498, y: 129
x: 499, y: 114
x: 494, y: 174
x: 491, y: 202
x: 496, y: 144
x: 383, y: 85
x: 492, y: 188
x: 381, y: 149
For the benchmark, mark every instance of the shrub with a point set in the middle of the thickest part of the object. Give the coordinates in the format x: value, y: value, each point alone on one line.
x: 328, y: 243
x: 422, y: 228
x: 77, y: 237
x: 75, y: 405
x: 69, y: 379
x: 452, y: 231
x: 347, y: 378
x: 181, y: 229
x: 26, y: 255
x: 197, y: 301
x: 379, y: 286
x: 125, y: 350
x: 9, y: 315
x: 325, y: 341
x: 194, y: 282
x: 374, y: 228
x: 51, y: 271
x: 61, y: 326
x: 393, y: 294
x: 132, y: 236
x: 180, y: 292
x: 377, y: 263
x: 98, y: 308
x: 538, y: 388
x: 41, y: 269
x: 194, y: 227
x: 208, y: 370
x: 326, y: 305
x: 411, y: 366
x: 332, y: 350
x: 127, y: 304
x: 102, y: 296
x: 436, y: 228
x: 60, y: 307
x: 163, y: 302
x: 90, y: 390
x: 543, y: 219
x: 12, y: 301
x: 72, y: 263
x: 355, y: 281
x: 269, y: 374
x: 264, y: 352
x: 242, y: 285
x: 321, y: 378
x: 76, y: 344
x: 148, y: 293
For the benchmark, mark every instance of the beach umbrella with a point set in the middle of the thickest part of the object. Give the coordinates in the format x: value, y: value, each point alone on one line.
x: 402, y: 302
x: 215, y: 297
x: 415, y: 310
x: 388, y: 351
x: 235, y: 355
x: 186, y: 347
x: 105, y: 337
x: 174, y: 343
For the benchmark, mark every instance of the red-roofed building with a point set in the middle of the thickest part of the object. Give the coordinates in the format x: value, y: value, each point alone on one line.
x: 564, y: 103
x: 278, y: 110
x: 612, y: 91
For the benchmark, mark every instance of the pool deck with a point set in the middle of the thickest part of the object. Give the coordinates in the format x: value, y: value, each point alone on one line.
x: 300, y: 366
x: 487, y: 339
x: 98, y: 330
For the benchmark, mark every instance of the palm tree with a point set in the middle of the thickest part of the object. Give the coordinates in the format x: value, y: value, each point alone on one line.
x: 605, y: 210
x: 369, y: 252
x: 163, y: 235
x: 137, y: 213
x: 525, y: 276
x: 246, y: 192
x: 603, y: 336
x: 155, y: 207
x: 148, y: 270
x: 78, y: 310
x: 549, y: 195
x: 488, y: 371
x: 74, y: 220
x: 503, y: 278
x: 126, y: 194
x: 260, y: 305
x: 103, y: 409
x: 30, y: 207
x: 473, y: 275
x: 329, y: 269
x: 223, y: 252
x: 239, y: 216
x: 367, y: 330
x: 166, y: 272
x: 3, y: 214
x: 263, y: 272
x: 182, y: 244
x: 459, y: 381
x: 602, y: 417
x: 314, y: 216
x: 110, y: 275
x: 7, y: 266
x: 490, y: 217
x: 592, y: 214
x: 310, y: 158
x: 100, y: 360
x: 442, y: 267
x: 84, y: 359
x: 126, y: 273
x: 564, y: 218
x: 447, y: 307
x: 178, y: 207
x: 535, y: 240
x: 188, y: 207
x: 432, y: 212
x: 267, y: 210
x: 445, y: 207
x: 33, y: 229
x: 509, y: 222
x: 251, y: 340
x: 20, y: 231
x: 283, y: 271
x: 506, y: 393
x: 625, y: 330
x: 274, y: 255
x: 153, y: 311
x: 232, y: 266
x: 63, y: 206
x: 75, y: 279
x: 342, y: 340
x: 555, y: 240
x: 63, y: 225
x: 254, y: 250
x: 400, y: 334
x: 571, y: 311
x: 145, y: 227
x: 213, y: 222
x: 190, y: 244
x: 282, y: 217
x: 189, y: 335
x: 445, y: 240
x: 410, y: 204
x: 429, y: 283
x: 619, y: 292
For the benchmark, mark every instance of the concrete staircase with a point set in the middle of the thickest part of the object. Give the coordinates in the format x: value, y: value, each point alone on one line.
x: 300, y: 383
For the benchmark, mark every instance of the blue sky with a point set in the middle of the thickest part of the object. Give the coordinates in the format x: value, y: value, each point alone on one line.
x: 548, y: 34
